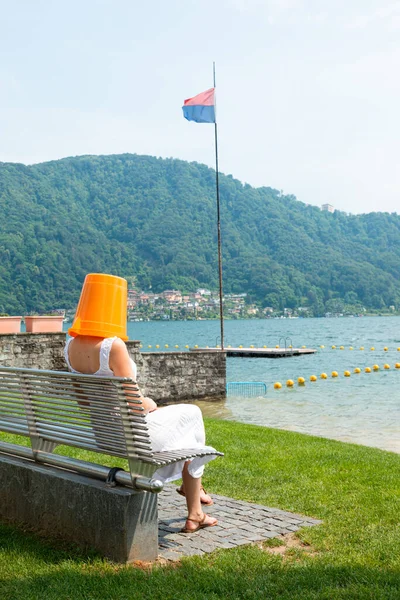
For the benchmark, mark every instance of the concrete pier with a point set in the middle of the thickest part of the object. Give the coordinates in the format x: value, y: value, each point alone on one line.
x: 259, y: 352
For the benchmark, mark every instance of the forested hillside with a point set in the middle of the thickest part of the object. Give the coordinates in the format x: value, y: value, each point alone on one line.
x: 154, y: 221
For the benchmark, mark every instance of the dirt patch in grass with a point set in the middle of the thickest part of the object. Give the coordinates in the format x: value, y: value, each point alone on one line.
x: 286, y: 545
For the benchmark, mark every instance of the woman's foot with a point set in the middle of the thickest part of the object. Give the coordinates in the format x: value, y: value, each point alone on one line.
x: 204, y: 497
x: 195, y: 524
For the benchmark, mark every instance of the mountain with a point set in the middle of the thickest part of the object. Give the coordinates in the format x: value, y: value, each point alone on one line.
x: 153, y: 221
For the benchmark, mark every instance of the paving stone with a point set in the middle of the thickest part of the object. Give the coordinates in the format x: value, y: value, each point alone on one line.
x: 250, y: 528
x: 270, y: 534
x: 235, y: 522
x: 242, y: 542
x: 194, y: 551
x: 239, y: 523
x: 226, y: 545
x: 292, y: 527
x: 312, y: 522
x: 170, y: 555
x: 256, y: 537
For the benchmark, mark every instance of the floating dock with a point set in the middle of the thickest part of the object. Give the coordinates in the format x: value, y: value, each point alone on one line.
x: 259, y: 352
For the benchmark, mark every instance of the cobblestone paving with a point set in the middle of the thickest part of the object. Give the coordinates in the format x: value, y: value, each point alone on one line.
x: 238, y: 523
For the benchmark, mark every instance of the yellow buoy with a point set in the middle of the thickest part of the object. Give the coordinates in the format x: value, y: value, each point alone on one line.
x: 351, y: 348
x: 347, y: 373
x: 251, y: 346
x: 301, y: 380
x: 341, y: 348
x: 313, y: 378
x: 357, y: 370
x: 303, y: 346
x: 196, y: 346
x: 322, y: 346
x: 386, y: 366
x: 367, y: 369
x: 264, y: 346
x: 186, y: 346
x: 333, y: 347
x: 149, y: 346
x: 157, y: 345
x: 361, y: 347
x: 290, y: 346
x: 166, y: 345
x: 277, y: 385
x: 289, y: 383
x: 277, y: 346
x: 386, y: 348
x: 324, y: 376
x: 397, y: 365
x: 176, y: 346
x: 376, y: 367
x: 398, y: 349
x: 334, y: 373
x: 372, y: 348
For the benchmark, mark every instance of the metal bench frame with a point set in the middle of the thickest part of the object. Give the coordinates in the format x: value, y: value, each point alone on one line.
x: 101, y: 414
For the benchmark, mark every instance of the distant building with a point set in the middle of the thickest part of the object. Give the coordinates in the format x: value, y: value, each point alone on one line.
x: 172, y: 296
x: 328, y: 207
x: 133, y: 299
x: 144, y: 298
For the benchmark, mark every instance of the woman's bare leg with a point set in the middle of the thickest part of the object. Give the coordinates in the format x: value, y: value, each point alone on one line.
x: 192, y: 494
x: 204, y: 497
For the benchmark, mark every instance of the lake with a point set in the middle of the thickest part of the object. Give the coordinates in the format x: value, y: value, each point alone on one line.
x: 364, y: 408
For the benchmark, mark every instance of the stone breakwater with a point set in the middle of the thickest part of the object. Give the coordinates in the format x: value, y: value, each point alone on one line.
x: 165, y: 376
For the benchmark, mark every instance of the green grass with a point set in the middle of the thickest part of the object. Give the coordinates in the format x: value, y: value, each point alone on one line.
x: 354, y: 554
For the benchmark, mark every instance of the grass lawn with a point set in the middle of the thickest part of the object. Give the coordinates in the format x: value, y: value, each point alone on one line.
x: 354, y: 554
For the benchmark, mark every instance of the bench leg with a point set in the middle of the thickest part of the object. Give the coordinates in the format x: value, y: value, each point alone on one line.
x: 142, y: 527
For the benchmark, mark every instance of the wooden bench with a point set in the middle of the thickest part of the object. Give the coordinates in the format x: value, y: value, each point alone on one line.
x: 99, y: 414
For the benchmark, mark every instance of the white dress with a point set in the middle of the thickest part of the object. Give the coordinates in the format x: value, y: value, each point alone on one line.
x: 174, y: 427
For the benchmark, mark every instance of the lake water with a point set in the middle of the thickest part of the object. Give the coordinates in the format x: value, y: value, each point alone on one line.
x: 363, y: 408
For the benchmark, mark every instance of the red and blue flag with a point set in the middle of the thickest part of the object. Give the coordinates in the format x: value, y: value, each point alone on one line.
x: 200, y: 108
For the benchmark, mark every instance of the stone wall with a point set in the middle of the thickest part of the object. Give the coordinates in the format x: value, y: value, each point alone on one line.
x: 164, y: 376
x: 33, y: 351
x: 169, y: 376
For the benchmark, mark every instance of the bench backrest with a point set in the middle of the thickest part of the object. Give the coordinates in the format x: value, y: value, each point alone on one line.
x: 102, y: 414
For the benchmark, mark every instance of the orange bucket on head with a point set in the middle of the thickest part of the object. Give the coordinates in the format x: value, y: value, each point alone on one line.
x: 102, y: 307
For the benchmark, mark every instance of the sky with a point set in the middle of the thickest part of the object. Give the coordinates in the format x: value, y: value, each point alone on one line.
x: 308, y: 91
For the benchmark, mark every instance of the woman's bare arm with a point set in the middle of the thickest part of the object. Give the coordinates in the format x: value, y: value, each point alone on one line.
x: 121, y: 366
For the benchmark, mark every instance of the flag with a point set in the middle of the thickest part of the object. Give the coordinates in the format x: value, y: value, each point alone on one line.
x: 200, y: 108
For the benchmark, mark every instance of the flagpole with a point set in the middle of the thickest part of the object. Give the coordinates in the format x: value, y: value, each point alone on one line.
x: 221, y: 310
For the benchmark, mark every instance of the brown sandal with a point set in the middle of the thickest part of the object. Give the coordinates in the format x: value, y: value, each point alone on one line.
x: 200, y: 525
x: 182, y: 493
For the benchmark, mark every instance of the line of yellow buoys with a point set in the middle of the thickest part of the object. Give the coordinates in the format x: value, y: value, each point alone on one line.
x: 301, y: 380
x: 333, y: 347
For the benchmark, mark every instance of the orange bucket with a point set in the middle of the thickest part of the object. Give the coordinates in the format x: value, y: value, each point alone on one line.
x: 102, y: 307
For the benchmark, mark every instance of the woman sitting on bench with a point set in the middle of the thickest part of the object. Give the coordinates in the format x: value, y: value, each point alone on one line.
x: 97, y: 347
